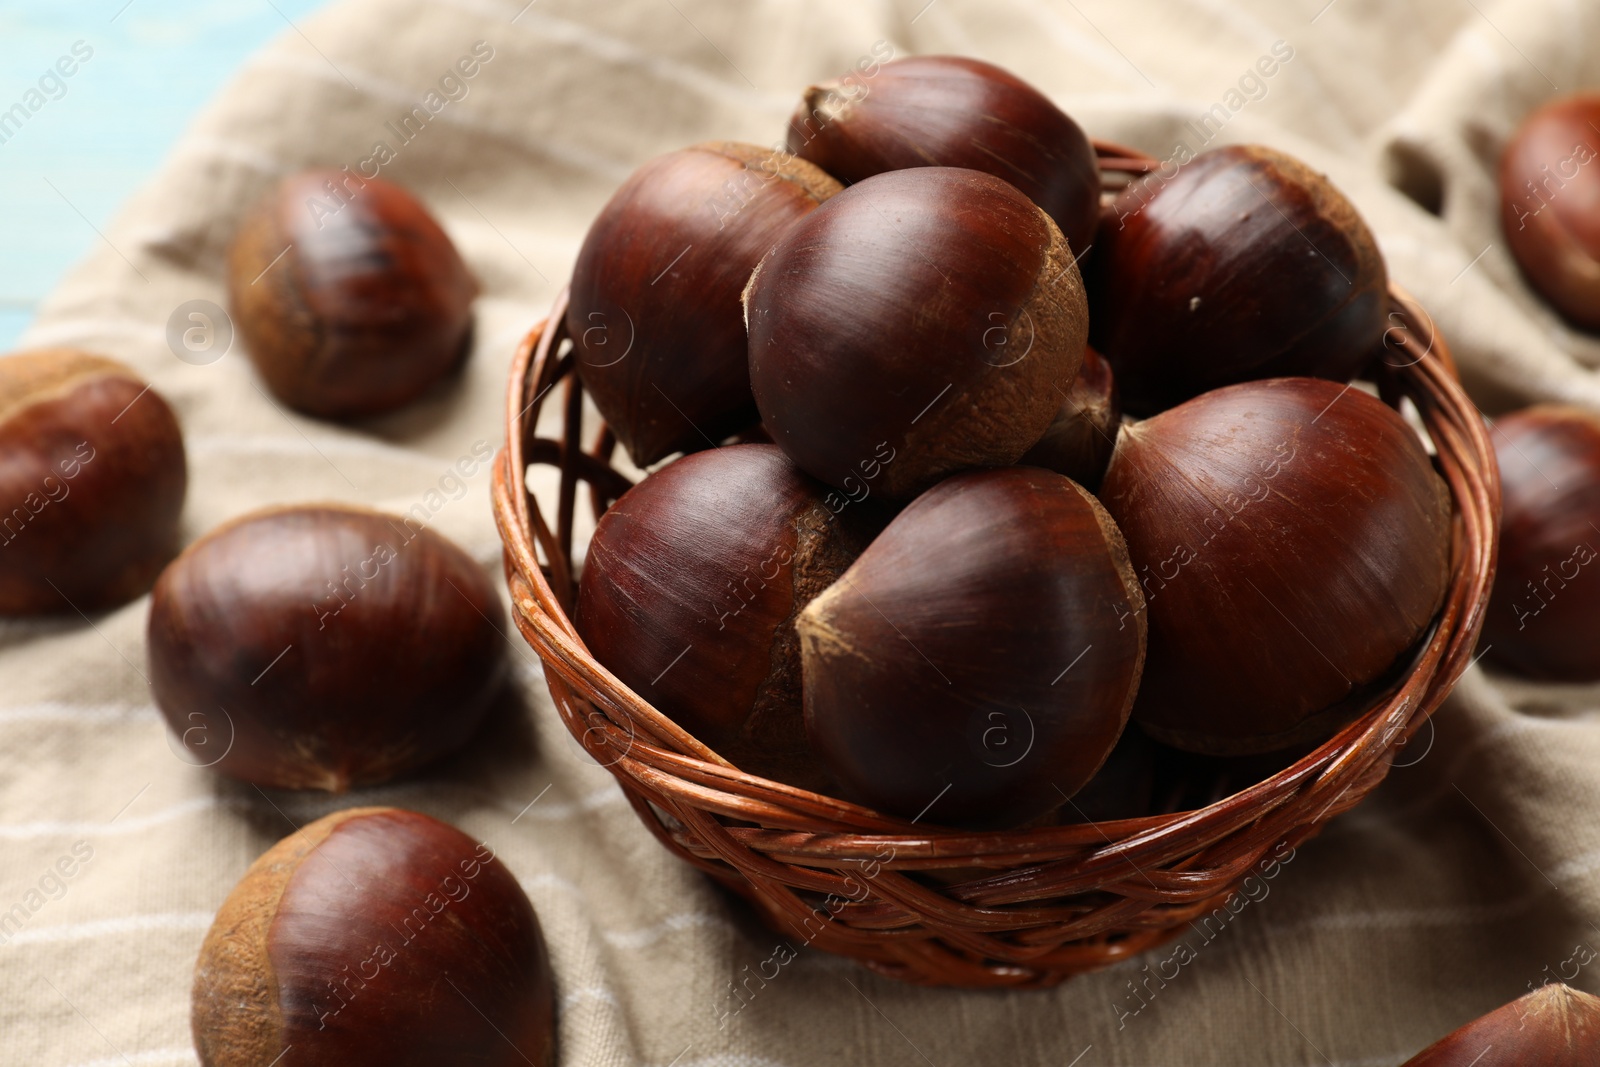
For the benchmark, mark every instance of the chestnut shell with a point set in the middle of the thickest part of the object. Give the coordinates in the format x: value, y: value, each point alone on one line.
x: 921, y: 322
x: 1244, y: 264
x: 691, y: 587
x: 369, y: 306
x: 325, y: 646
x: 1554, y: 1026
x: 1293, y: 541
x: 1550, y: 205
x: 375, y: 935
x: 92, y: 482
x: 1543, y: 619
x: 654, y: 311
x: 977, y: 664
x: 954, y: 111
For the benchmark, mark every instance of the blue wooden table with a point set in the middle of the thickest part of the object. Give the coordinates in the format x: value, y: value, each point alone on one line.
x: 84, y: 141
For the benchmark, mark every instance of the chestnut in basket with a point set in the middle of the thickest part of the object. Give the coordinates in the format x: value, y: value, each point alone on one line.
x: 1080, y: 440
x: 921, y: 322
x: 375, y: 935
x: 953, y: 111
x: 976, y: 665
x: 1244, y: 264
x: 350, y: 298
x: 1544, y: 616
x: 691, y: 588
x: 1293, y: 542
x: 92, y: 480
x: 654, y: 312
x: 324, y: 647
x: 1550, y: 205
x: 1554, y: 1026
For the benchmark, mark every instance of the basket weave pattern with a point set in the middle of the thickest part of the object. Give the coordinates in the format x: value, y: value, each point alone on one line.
x: 1025, y: 907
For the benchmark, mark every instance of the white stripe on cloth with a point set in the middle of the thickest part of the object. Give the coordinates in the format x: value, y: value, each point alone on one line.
x: 98, y: 928
x: 88, y: 714
x: 647, y: 935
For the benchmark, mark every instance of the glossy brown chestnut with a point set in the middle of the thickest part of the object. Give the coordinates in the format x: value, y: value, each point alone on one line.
x: 976, y: 665
x: 92, y: 480
x: 1080, y: 440
x: 1544, y: 614
x: 1244, y: 264
x: 375, y: 935
x: 952, y: 111
x: 691, y: 588
x: 349, y: 297
x: 1293, y: 543
x: 921, y: 322
x: 1554, y: 1026
x: 324, y: 647
x: 654, y: 310
x: 1550, y: 204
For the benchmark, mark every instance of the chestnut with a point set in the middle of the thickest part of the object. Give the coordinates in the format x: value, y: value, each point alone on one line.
x: 691, y: 587
x: 1293, y: 542
x: 375, y: 935
x: 654, y: 308
x: 350, y: 298
x: 953, y: 111
x: 1550, y: 205
x: 325, y: 646
x: 1544, y: 612
x: 92, y: 480
x: 1554, y: 1026
x: 1079, y: 441
x: 976, y: 665
x: 1244, y: 264
x: 921, y: 322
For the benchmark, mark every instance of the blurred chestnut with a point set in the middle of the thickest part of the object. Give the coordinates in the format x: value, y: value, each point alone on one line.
x: 1544, y: 613
x: 1550, y: 205
x: 654, y: 313
x: 952, y: 111
x: 324, y: 647
x: 921, y: 322
x: 1554, y: 1026
x: 1079, y: 442
x: 977, y: 663
x: 375, y: 935
x: 1293, y: 542
x: 350, y: 298
x: 92, y: 480
x: 691, y: 587
x: 1244, y: 264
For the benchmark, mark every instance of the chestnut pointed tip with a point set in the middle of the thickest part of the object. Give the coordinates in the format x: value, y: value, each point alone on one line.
x: 1553, y: 1026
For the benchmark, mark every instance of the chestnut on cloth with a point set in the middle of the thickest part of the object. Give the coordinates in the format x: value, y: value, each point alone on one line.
x: 1469, y: 874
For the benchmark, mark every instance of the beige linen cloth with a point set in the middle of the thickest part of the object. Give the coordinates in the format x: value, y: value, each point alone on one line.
x: 1471, y: 874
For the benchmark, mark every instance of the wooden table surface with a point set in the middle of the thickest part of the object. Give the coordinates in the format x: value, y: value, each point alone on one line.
x: 90, y: 139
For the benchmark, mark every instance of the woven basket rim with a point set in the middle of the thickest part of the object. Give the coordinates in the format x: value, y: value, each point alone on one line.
x: 782, y: 846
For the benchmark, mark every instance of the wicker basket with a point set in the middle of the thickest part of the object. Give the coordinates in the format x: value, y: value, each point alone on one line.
x: 1026, y: 907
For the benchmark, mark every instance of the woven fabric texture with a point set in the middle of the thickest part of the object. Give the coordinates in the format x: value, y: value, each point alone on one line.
x: 1470, y: 874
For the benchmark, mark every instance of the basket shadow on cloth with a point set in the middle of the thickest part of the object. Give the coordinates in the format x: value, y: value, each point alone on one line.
x: 1017, y: 908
